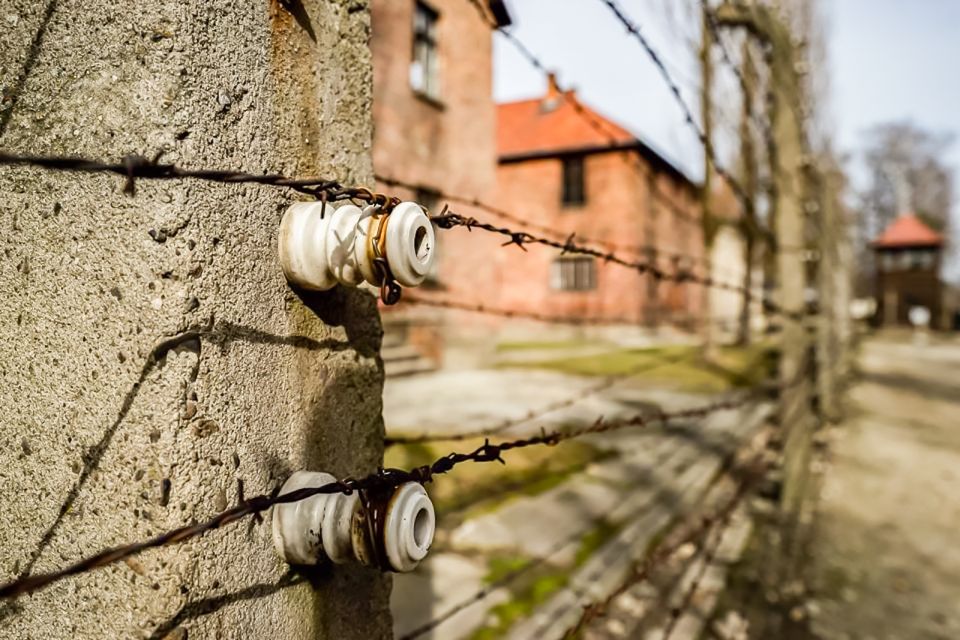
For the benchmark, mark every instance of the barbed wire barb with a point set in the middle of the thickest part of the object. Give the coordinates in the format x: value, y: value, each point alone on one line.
x: 381, y: 480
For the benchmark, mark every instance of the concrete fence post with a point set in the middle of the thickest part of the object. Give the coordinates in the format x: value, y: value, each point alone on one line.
x: 156, y: 366
x: 797, y: 362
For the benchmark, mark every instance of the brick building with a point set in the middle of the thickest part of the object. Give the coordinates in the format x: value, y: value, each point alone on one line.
x: 566, y: 167
x: 908, y: 260
x: 437, y: 129
x: 434, y: 123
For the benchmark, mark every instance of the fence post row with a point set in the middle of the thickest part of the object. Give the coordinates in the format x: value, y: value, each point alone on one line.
x: 170, y: 371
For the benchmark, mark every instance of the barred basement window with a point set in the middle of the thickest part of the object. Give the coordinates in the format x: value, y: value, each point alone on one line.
x: 574, y: 274
x: 574, y: 190
x: 424, y: 76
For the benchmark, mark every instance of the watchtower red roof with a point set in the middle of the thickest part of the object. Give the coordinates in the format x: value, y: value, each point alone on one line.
x: 908, y: 231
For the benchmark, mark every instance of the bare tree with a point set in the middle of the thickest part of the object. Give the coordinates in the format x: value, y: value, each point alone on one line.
x: 907, y: 173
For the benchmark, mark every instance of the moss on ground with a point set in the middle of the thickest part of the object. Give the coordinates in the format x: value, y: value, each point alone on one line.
x: 590, y: 543
x: 534, y: 588
x: 470, y: 490
x: 522, y: 604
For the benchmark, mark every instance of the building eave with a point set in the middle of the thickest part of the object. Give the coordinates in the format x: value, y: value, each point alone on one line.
x: 658, y: 162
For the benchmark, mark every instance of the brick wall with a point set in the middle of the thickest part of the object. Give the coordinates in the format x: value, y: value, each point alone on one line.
x: 448, y: 143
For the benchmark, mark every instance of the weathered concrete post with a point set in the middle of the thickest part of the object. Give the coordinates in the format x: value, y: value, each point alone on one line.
x: 156, y: 367
x: 750, y: 227
x: 796, y: 418
x: 710, y: 226
x: 832, y: 273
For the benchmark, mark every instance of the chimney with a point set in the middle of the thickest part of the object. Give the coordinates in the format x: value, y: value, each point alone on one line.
x: 553, y: 89
x: 553, y: 97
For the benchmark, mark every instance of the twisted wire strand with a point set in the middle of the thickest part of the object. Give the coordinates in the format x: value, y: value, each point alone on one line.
x: 381, y: 480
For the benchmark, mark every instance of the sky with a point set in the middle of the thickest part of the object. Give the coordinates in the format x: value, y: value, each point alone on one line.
x: 890, y: 60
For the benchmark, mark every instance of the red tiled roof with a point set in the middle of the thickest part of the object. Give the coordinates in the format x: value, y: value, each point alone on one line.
x: 908, y: 231
x: 528, y: 127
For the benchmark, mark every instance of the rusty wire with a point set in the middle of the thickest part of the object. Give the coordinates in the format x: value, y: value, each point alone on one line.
x: 381, y: 480
x: 691, y: 531
x: 691, y: 121
x: 534, y: 414
x: 135, y: 166
x: 507, y: 578
x: 540, y: 228
x: 573, y: 320
x: 707, y: 553
x: 449, y: 220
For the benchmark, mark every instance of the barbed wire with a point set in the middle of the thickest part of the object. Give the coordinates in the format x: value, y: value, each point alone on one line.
x: 691, y: 121
x: 449, y: 220
x: 507, y: 579
x: 135, y: 166
x: 707, y: 553
x: 591, y: 119
x: 524, y: 569
x: 379, y: 481
x: 541, y: 228
x: 534, y: 414
x: 573, y: 320
x: 689, y: 532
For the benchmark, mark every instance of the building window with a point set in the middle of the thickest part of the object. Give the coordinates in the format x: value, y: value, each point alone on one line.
x: 923, y: 259
x: 423, y: 69
x: 887, y: 261
x: 574, y: 189
x: 574, y: 274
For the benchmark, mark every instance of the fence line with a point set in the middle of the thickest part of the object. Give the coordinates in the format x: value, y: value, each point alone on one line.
x: 634, y: 30
x: 540, y: 228
x: 448, y: 220
x: 383, y: 479
x: 134, y: 167
x: 572, y: 320
x: 608, y: 383
x: 689, y: 532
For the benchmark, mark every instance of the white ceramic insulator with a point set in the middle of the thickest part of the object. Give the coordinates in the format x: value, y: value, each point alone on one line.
x: 411, y: 244
x: 409, y: 528
x: 327, y: 526
x: 318, y: 527
x: 321, y: 246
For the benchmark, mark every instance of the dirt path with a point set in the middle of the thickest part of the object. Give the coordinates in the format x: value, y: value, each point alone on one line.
x: 886, y: 551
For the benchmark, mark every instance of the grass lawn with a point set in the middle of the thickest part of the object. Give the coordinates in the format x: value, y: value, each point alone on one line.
x: 681, y: 367
x: 504, y: 347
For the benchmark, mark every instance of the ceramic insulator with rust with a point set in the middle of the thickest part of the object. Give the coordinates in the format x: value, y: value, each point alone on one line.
x: 334, y: 527
x: 322, y: 246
